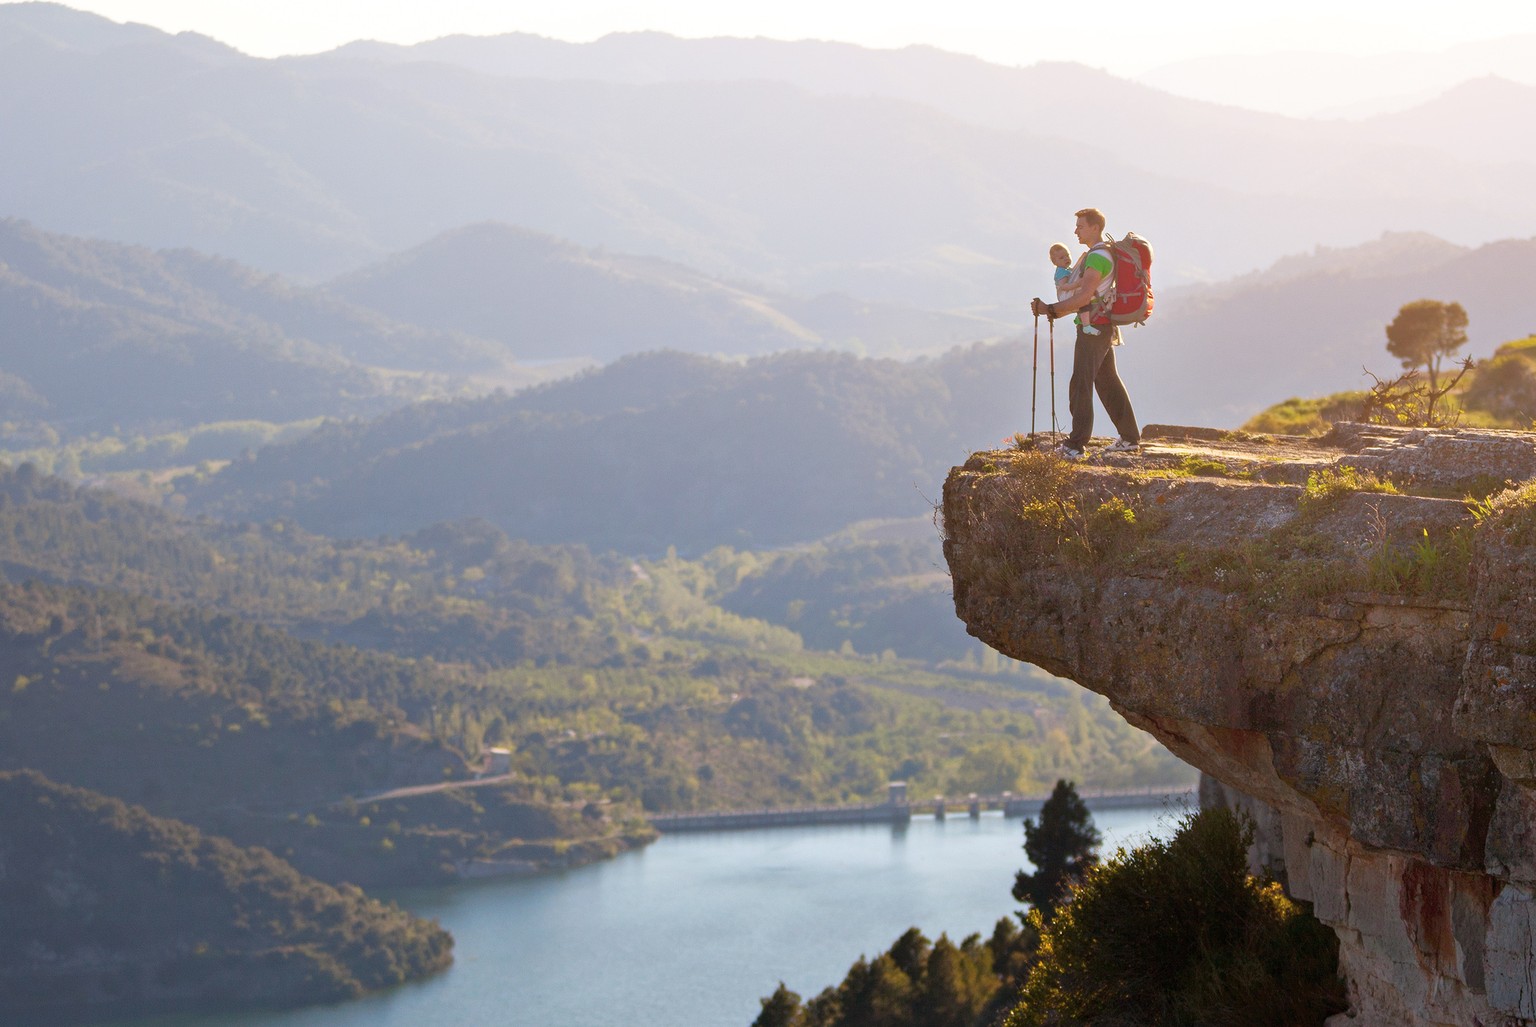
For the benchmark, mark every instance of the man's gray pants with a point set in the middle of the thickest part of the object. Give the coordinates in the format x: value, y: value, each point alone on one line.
x: 1093, y: 369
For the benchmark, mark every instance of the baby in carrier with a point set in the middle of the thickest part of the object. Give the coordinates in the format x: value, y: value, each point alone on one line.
x: 1067, y: 275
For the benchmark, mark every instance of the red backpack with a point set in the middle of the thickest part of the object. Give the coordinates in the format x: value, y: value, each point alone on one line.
x: 1132, y: 304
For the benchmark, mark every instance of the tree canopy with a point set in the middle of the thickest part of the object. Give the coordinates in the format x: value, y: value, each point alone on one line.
x: 1177, y: 932
x: 1061, y: 847
x: 1424, y: 332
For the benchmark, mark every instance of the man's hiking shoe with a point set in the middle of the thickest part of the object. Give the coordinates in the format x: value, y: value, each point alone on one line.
x: 1123, y: 446
x: 1067, y: 452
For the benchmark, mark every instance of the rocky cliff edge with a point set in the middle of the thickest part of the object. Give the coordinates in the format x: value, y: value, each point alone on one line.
x: 1341, y: 632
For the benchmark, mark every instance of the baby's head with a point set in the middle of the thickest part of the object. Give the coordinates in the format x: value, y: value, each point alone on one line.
x: 1060, y: 256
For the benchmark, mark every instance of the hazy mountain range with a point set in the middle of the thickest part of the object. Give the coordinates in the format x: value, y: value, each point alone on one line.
x: 1313, y: 83
x: 96, y: 334
x: 545, y: 298
x: 655, y: 450
x: 1296, y: 83
x: 914, y: 176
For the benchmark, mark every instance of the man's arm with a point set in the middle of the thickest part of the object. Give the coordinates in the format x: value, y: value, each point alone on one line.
x: 1079, y: 298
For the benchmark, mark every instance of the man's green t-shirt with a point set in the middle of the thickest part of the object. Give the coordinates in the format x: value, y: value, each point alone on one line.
x: 1098, y: 260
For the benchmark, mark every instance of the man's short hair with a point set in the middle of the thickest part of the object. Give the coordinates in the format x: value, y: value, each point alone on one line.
x: 1093, y: 215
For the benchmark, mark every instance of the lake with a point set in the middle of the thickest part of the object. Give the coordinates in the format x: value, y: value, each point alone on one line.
x: 694, y: 929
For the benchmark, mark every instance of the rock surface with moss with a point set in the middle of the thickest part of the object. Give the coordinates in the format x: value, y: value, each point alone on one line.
x: 1340, y: 628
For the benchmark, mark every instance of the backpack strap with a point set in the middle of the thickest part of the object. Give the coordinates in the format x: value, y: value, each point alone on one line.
x: 1097, y: 314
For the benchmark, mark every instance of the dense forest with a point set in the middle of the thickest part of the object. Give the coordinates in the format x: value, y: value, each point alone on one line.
x: 108, y: 910
x: 696, y: 452
x: 631, y: 679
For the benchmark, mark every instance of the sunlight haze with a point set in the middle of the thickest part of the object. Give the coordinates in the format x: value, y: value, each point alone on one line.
x: 1132, y: 37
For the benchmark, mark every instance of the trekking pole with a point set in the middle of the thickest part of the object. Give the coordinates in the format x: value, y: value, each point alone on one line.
x: 1034, y: 378
x: 1051, y: 330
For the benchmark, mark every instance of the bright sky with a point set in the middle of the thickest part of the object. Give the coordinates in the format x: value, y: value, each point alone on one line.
x: 1127, y: 36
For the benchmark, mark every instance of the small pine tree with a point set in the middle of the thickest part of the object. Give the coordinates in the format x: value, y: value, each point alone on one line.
x: 1061, y: 848
x: 1176, y: 932
x: 781, y: 1009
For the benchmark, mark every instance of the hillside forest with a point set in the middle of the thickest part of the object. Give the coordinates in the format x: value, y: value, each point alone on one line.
x: 340, y: 703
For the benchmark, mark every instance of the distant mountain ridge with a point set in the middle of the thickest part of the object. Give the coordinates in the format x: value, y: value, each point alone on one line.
x: 67, y: 28
x: 97, y: 334
x: 928, y: 179
x: 543, y: 297
x: 1318, y: 84
x: 1170, y: 133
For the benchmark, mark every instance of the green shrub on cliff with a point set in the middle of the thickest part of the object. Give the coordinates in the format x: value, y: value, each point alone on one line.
x: 1504, y: 386
x: 1176, y: 932
x: 1171, y: 933
x: 1058, y: 511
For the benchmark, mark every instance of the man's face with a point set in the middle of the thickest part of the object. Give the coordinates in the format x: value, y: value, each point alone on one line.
x: 1086, y: 233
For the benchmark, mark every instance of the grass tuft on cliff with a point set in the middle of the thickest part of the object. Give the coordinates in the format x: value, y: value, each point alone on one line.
x: 1511, y: 514
x: 1326, y: 486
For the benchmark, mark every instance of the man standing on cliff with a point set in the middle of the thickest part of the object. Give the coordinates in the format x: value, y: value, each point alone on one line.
x: 1093, y: 358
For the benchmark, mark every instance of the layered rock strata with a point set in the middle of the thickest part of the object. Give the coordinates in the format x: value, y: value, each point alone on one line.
x: 1340, y: 631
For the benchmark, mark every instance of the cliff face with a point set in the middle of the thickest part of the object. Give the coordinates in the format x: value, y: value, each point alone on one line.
x: 1328, y: 627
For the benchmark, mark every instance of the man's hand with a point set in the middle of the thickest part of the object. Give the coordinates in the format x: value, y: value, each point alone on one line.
x: 1038, y: 306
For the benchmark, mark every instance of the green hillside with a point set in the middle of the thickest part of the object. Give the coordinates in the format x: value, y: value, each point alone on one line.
x: 694, y: 453
x: 1498, y: 392
x: 109, y: 910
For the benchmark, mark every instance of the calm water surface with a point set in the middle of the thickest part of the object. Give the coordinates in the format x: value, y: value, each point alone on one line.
x: 694, y: 929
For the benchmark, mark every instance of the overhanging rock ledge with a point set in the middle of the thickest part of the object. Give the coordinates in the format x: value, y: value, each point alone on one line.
x: 1343, y: 629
